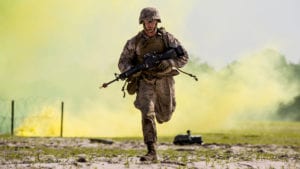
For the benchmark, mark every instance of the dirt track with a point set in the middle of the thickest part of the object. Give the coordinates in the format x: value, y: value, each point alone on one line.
x: 84, y: 153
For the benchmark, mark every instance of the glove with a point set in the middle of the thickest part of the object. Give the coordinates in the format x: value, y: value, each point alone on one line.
x: 165, y: 64
x: 179, y: 51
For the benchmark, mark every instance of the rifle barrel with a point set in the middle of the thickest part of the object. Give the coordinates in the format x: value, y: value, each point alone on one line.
x: 104, y: 85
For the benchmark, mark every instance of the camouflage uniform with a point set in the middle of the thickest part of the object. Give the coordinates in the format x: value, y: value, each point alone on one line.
x: 155, y: 94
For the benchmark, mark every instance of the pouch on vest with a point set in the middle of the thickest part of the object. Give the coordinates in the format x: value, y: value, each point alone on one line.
x: 132, y: 85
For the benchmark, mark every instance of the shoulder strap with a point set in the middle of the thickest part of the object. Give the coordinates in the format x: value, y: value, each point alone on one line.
x: 138, y: 38
x: 165, y: 36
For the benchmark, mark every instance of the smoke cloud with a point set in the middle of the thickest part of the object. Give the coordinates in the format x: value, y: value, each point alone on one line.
x: 251, y: 88
x: 53, y: 51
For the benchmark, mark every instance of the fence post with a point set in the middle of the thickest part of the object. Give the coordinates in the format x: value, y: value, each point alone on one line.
x: 62, y: 119
x: 12, y: 117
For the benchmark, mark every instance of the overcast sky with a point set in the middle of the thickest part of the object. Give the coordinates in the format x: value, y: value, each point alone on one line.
x: 222, y: 31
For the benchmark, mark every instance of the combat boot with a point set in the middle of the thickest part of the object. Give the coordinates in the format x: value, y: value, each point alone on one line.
x: 151, y: 155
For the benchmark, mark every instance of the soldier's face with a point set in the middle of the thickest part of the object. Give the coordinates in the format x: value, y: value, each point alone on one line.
x: 150, y: 26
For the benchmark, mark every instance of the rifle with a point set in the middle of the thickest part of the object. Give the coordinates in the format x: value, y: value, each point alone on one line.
x: 150, y: 60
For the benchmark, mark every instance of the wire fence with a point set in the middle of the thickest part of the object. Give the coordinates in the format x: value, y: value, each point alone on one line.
x: 16, y: 113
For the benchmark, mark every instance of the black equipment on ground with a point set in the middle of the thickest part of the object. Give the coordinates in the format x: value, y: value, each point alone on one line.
x: 187, y: 139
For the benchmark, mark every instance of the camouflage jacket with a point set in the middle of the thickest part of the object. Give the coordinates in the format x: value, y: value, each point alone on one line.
x: 131, y: 50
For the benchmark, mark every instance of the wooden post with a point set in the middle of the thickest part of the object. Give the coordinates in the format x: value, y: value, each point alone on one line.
x: 62, y: 119
x: 12, y: 117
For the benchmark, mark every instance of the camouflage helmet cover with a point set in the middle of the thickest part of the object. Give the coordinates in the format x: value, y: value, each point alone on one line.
x: 149, y: 13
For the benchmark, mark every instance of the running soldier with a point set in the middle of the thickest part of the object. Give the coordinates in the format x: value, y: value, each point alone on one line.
x: 154, y: 87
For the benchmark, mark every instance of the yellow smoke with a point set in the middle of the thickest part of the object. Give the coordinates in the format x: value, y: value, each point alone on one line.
x: 253, y: 86
x: 65, y: 48
x: 43, y: 123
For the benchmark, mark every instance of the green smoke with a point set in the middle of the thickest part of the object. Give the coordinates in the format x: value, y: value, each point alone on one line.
x: 291, y: 110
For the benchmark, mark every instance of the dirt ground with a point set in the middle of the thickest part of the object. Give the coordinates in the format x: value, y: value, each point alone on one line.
x: 87, y: 153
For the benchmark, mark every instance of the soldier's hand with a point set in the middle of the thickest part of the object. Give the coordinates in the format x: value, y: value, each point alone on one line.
x: 136, y: 74
x: 165, y: 64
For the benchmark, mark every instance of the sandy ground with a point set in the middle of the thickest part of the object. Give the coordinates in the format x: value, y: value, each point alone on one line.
x: 289, y: 157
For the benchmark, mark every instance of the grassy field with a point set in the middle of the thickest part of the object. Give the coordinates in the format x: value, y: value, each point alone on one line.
x: 278, y: 133
x: 277, y: 144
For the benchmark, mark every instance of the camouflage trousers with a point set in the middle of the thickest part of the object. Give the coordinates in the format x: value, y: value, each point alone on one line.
x: 155, y: 99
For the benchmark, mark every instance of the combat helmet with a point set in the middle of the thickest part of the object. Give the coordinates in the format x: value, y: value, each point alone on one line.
x: 149, y: 13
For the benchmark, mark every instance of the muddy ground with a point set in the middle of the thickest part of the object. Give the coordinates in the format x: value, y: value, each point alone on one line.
x: 20, y: 152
